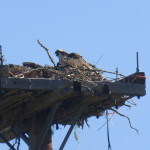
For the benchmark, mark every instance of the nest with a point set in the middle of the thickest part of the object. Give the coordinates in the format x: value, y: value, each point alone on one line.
x: 32, y: 70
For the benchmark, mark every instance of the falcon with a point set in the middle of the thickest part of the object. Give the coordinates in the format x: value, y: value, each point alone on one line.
x: 73, y: 59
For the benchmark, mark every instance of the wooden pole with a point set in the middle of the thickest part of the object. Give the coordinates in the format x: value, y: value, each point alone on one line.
x: 40, y: 132
x: 37, y: 124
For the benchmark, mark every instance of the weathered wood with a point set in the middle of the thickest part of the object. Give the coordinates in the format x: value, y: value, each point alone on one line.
x: 40, y: 103
x: 47, y: 84
x: 123, y: 88
x: 96, y: 106
x: 21, y: 98
x: 48, y: 123
x: 36, y: 125
x: 33, y: 83
x: 34, y: 105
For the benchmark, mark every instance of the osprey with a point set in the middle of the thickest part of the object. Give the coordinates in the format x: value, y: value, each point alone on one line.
x: 73, y: 59
x: 79, y: 65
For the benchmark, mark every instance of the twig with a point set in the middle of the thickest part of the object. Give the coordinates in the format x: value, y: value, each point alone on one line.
x: 129, y: 106
x: 99, y: 59
x: 125, y: 117
x: 104, y: 71
x: 112, y: 114
x: 132, y: 102
x: 46, y: 49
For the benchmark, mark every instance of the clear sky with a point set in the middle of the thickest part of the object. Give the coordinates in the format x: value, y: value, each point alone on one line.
x: 114, y: 29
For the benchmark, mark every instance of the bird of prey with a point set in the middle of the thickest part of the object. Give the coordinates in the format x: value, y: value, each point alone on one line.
x: 73, y: 59
x: 85, y: 71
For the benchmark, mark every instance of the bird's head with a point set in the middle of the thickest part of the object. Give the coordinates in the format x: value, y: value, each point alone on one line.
x: 61, y: 53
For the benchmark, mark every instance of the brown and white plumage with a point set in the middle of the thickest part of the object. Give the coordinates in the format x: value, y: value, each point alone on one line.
x: 78, y: 67
x: 73, y: 59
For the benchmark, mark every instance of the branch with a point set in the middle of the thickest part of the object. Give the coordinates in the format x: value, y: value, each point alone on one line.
x: 132, y: 102
x: 46, y: 49
x: 127, y: 118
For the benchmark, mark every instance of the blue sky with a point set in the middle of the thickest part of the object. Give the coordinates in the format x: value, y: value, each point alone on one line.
x: 115, y: 29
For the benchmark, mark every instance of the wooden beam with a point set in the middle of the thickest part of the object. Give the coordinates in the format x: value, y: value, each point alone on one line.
x: 33, y: 83
x: 45, y: 127
x: 34, y: 105
x: 123, y: 88
x: 36, y: 125
x: 48, y: 84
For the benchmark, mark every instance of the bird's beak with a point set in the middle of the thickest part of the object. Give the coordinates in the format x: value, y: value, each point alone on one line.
x: 56, y: 53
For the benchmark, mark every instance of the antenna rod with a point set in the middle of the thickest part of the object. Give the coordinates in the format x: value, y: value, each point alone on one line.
x: 137, y: 60
x: 116, y: 74
x: 1, y: 56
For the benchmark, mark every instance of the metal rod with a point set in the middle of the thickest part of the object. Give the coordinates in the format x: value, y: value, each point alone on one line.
x: 46, y: 126
x: 137, y: 61
x: 116, y: 74
x: 25, y: 138
x: 1, y: 55
x: 71, y: 128
x: 5, y: 140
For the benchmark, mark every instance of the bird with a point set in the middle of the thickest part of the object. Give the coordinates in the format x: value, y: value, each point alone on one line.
x: 62, y: 55
x: 73, y: 60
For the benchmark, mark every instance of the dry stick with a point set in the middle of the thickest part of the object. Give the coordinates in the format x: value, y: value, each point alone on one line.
x: 99, y: 60
x: 125, y: 117
x: 132, y: 102
x: 106, y: 122
x: 46, y: 49
x: 129, y: 106
x: 104, y: 71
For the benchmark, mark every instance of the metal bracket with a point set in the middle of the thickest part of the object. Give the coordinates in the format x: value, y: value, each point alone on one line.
x: 5, y: 140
